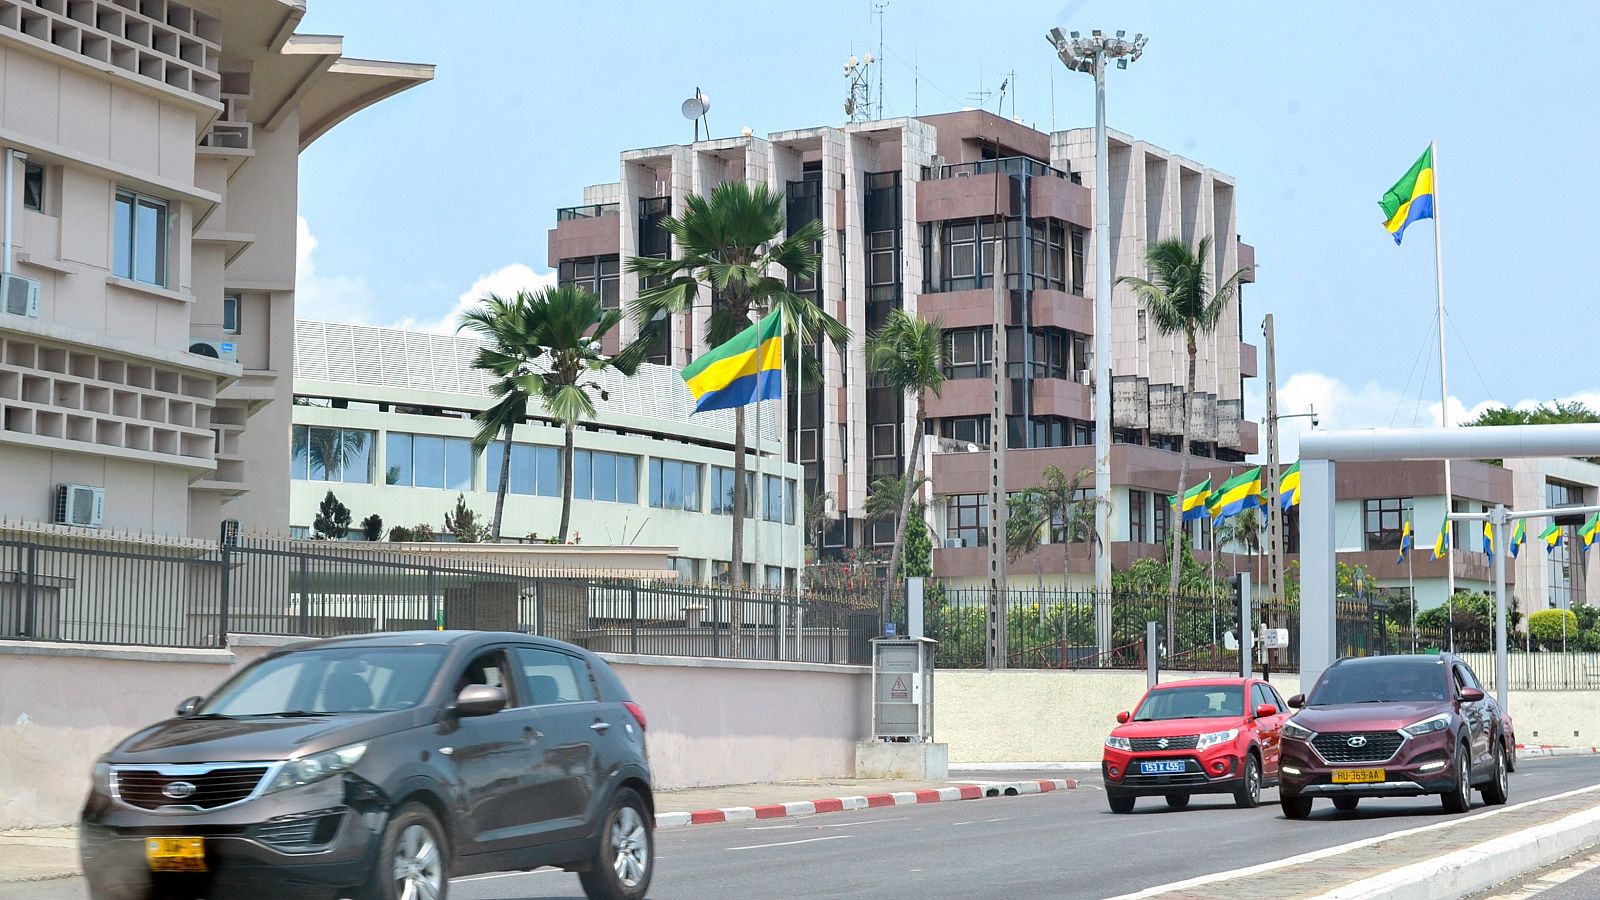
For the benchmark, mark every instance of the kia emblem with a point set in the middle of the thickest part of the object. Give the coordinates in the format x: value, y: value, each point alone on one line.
x: 1357, y: 741
x: 179, y: 790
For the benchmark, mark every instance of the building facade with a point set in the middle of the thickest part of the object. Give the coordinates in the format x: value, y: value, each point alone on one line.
x: 147, y: 332
x: 382, y: 419
x: 1565, y: 576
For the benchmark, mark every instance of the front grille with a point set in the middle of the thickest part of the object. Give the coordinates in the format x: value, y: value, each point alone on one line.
x: 299, y: 832
x: 147, y: 789
x: 1153, y: 745
x: 1376, y: 746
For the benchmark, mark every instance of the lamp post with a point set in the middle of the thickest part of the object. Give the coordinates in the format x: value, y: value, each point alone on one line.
x: 1090, y: 55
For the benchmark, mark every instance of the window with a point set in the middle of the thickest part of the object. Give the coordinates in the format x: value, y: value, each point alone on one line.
x: 490, y: 669
x: 688, y: 569
x: 332, y: 454
x: 554, y: 677
x: 1383, y: 520
x: 331, y: 679
x: 881, y: 268
x: 777, y: 499
x: 33, y: 187
x: 774, y: 578
x: 966, y: 520
x: 969, y: 429
x: 1137, y: 501
x: 1082, y: 499
x: 968, y: 352
x: 610, y: 477
x: 596, y: 274
x: 1078, y: 240
x: 1264, y: 695
x: 722, y: 491
x: 674, y: 485
x: 230, y: 314
x: 140, y: 253
x: 431, y: 461
x: 535, y: 471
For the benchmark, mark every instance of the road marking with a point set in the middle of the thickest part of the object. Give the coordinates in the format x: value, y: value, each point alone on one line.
x: 864, y: 822
x: 1326, y: 852
x: 1157, y: 831
x: 1552, y: 879
x: 831, y: 837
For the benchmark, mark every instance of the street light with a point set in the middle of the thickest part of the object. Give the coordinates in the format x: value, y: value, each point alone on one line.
x: 1089, y: 55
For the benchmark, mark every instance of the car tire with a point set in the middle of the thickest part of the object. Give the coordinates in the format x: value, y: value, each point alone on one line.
x: 1248, y: 796
x: 1121, y: 804
x: 1295, y: 807
x: 1177, y: 801
x: 624, y: 854
x: 1346, y: 804
x: 1458, y: 799
x: 413, y: 850
x: 1499, y: 787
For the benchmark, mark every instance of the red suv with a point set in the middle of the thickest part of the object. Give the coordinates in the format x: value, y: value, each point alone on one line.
x: 1394, y: 726
x: 1205, y: 736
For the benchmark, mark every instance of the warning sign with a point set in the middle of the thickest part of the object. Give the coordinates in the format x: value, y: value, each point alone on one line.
x: 899, y: 691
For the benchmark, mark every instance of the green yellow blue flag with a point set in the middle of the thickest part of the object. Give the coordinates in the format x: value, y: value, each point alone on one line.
x: 746, y: 369
x: 1519, y: 536
x: 1194, y: 501
x: 1289, y: 487
x: 1551, y: 537
x: 1488, y: 539
x: 1405, y: 541
x: 1590, y: 530
x: 1237, y: 494
x: 1411, y: 198
x: 1441, y: 544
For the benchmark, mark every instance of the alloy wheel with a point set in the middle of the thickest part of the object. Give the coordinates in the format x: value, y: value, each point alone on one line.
x: 1464, y: 780
x: 418, y: 867
x: 631, y: 842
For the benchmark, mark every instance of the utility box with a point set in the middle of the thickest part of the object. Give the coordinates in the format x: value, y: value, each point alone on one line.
x: 1275, y: 638
x: 902, y: 689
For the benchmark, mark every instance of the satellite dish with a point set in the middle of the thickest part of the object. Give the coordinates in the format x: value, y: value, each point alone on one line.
x: 696, y: 106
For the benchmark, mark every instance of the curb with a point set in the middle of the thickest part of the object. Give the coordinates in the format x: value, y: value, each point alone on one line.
x: 1539, y: 751
x: 867, y: 801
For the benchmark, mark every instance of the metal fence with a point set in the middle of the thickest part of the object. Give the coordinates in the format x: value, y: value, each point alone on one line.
x: 115, y: 591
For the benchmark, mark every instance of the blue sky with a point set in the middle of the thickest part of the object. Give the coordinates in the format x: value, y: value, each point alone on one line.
x: 1314, y: 109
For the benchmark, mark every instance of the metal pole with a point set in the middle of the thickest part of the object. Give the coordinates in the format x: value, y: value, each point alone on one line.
x: 1247, y: 637
x: 1274, y: 510
x: 1102, y: 333
x: 1444, y: 386
x: 29, y: 608
x: 1152, y: 652
x: 305, y: 596
x: 1500, y: 661
x: 914, y: 625
x: 995, y: 649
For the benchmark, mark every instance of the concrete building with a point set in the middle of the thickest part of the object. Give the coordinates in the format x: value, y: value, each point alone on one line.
x: 1565, y: 576
x: 147, y: 331
x: 382, y: 418
x: 912, y: 210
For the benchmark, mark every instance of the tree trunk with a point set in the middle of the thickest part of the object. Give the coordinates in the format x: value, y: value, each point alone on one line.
x: 908, y: 480
x: 1183, y: 474
x: 505, y: 481
x: 566, y: 487
x: 736, y: 558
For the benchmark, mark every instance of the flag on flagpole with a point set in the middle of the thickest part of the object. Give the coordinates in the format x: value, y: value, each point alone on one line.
x: 1405, y: 541
x: 1441, y: 544
x: 1551, y: 537
x: 746, y: 369
x: 1194, y: 501
x: 1590, y: 530
x: 1289, y: 487
x: 1411, y: 198
x: 1237, y: 494
x: 1519, y: 536
x: 1488, y: 539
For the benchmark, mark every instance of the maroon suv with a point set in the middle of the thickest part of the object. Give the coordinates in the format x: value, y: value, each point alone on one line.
x: 1393, y: 726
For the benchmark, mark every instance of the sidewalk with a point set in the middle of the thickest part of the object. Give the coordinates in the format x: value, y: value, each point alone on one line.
x: 38, y: 854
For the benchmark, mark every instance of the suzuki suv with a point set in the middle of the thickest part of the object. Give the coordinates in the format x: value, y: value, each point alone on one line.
x: 377, y: 767
x: 1394, y: 726
x: 1205, y: 736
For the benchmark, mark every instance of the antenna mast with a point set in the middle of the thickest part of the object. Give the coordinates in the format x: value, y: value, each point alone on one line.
x: 878, y: 7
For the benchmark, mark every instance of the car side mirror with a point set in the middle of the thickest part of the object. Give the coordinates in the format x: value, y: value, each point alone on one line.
x: 1297, y: 701
x: 1265, y: 710
x: 1471, y: 695
x: 187, y: 707
x: 1123, y: 717
x: 480, y: 700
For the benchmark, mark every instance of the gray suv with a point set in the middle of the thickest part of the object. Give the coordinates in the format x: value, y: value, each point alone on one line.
x: 377, y: 767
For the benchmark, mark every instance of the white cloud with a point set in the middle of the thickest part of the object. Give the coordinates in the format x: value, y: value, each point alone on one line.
x: 505, y: 281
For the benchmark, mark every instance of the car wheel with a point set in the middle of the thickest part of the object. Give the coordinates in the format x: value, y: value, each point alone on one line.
x: 624, y: 856
x: 413, y: 858
x: 1495, y: 792
x: 1458, y: 799
x: 1346, y: 804
x: 1248, y: 796
x: 1295, y: 807
x: 1177, y: 801
x: 1121, y: 804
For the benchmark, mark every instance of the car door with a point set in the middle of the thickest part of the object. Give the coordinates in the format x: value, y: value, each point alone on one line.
x: 570, y: 722
x: 492, y: 757
x: 1269, y: 729
x: 1478, y: 716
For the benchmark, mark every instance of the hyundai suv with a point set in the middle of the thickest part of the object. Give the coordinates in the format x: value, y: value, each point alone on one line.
x: 1394, y: 726
x: 1205, y: 736
x: 377, y: 767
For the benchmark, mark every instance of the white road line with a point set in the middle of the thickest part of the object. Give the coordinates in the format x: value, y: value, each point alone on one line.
x: 1552, y: 879
x: 1338, y: 849
x: 831, y: 837
x: 864, y: 822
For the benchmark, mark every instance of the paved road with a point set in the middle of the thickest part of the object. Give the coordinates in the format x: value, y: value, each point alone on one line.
x: 1057, y: 845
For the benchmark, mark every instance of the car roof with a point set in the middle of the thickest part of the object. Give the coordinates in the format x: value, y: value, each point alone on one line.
x: 1403, y: 659
x: 1203, y: 682
x: 420, y: 638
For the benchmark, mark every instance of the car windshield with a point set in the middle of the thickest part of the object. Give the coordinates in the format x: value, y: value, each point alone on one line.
x: 321, y: 681
x: 1193, y: 702
x: 1380, y: 681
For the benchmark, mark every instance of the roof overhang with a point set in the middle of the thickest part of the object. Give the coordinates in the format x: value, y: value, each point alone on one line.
x: 348, y: 86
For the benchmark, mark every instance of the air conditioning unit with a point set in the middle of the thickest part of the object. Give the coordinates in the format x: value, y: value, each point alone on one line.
x: 19, y: 296
x: 1085, y: 376
x: 79, y: 504
x: 227, y: 351
x: 954, y: 543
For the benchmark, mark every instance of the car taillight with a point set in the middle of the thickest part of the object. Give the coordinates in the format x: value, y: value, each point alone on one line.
x: 638, y: 713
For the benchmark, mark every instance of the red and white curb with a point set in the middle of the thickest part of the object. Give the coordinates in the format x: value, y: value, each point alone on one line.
x: 1538, y: 750
x: 976, y: 791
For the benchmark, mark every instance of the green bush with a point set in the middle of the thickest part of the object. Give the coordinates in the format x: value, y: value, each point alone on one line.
x: 1548, y: 626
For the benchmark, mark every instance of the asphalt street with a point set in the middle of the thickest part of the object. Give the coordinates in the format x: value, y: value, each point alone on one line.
x: 1057, y: 845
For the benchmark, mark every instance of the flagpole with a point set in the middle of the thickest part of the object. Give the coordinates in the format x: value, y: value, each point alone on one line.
x: 1444, y: 385
x: 1411, y: 585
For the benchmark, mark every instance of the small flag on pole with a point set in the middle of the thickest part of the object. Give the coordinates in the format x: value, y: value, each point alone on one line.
x: 1590, y: 530
x: 1194, y: 501
x: 1289, y: 487
x: 1551, y: 537
x: 1405, y: 541
x: 1441, y: 544
x: 746, y: 369
x: 1411, y: 198
x: 1519, y: 536
x: 1488, y: 539
x: 1237, y: 494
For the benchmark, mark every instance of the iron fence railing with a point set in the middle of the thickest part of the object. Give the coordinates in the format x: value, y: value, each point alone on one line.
x: 591, y: 211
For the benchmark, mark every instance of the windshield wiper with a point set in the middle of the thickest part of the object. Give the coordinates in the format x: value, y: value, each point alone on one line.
x: 297, y: 714
x: 209, y: 716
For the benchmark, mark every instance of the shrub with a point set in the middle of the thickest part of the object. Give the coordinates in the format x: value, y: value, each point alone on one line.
x: 1548, y: 626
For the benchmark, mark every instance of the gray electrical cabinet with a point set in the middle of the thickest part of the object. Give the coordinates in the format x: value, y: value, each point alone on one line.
x: 902, y: 688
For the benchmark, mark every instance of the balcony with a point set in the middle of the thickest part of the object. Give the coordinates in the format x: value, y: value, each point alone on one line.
x: 593, y: 230
x: 592, y: 211
x: 1247, y: 360
x: 1247, y: 260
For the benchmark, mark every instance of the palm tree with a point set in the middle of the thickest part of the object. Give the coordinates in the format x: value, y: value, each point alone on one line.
x: 559, y: 331
x: 907, y: 354
x: 1243, y: 529
x: 1076, y: 514
x: 1180, y: 299
x: 1027, y: 516
x: 733, y: 241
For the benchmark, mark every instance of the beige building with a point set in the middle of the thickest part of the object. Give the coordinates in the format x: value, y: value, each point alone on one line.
x: 151, y: 156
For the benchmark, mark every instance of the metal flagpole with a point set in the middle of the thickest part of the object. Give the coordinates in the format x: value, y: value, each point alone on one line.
x: 756, y: 494
x: 1411, y: 584
x: 1444, y: 390
x: 783, y: 495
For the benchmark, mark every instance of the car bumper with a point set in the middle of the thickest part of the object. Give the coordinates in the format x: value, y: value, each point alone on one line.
x: 1422, y: 765
x: 1213, y: 773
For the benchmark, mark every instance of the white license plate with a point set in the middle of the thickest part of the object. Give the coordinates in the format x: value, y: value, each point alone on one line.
x: 1163, y: 767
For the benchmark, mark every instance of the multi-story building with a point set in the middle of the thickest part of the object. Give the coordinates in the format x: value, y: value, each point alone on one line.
x: 914, y: 211
x: 146, y: 334
x: 382, y: 418
x: 1564, y: 576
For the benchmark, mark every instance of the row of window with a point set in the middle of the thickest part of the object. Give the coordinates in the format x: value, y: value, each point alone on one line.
x: 596, y: 274
x: 1056, y: 352
x: 965, y: 251
x: 967, y: 519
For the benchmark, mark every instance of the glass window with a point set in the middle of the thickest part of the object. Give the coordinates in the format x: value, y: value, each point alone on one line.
x: 335, y: 679
x: 141, y: 238
x: 33, y: 187
x: 554, y: 677
x: 1382, y: 679
x: 674, y: 485
x: 427, y: 461
x: 1159, y: 518
x: 332, y: 454
x: 1137, y: 502
x: 967, y: 520
x: 582, y: 482
x: 688, y: 569
x: 458, y: 464
x: 610, y: 477
x: 300, y: 459
x: 230, y: 314
x: 424, y: 460
x: 722, y: 491
x: 596, y: 274
x: 1383, y: 519
x: 397, y: 458
x: 1195, y: 702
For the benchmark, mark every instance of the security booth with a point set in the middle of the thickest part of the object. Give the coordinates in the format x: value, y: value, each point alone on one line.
x: 902, y: 713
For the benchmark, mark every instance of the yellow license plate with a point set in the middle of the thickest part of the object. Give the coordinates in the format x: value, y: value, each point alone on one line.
x: 1357, y: 776
x: 175, y: 854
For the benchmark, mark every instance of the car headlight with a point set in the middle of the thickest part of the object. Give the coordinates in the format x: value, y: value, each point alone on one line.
x: 1119, y: 743
x: 1297, y: 732
x: 1441, y: 722
x: 100, y: 777
x: 1216, y: 737
x: 310, y: 769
